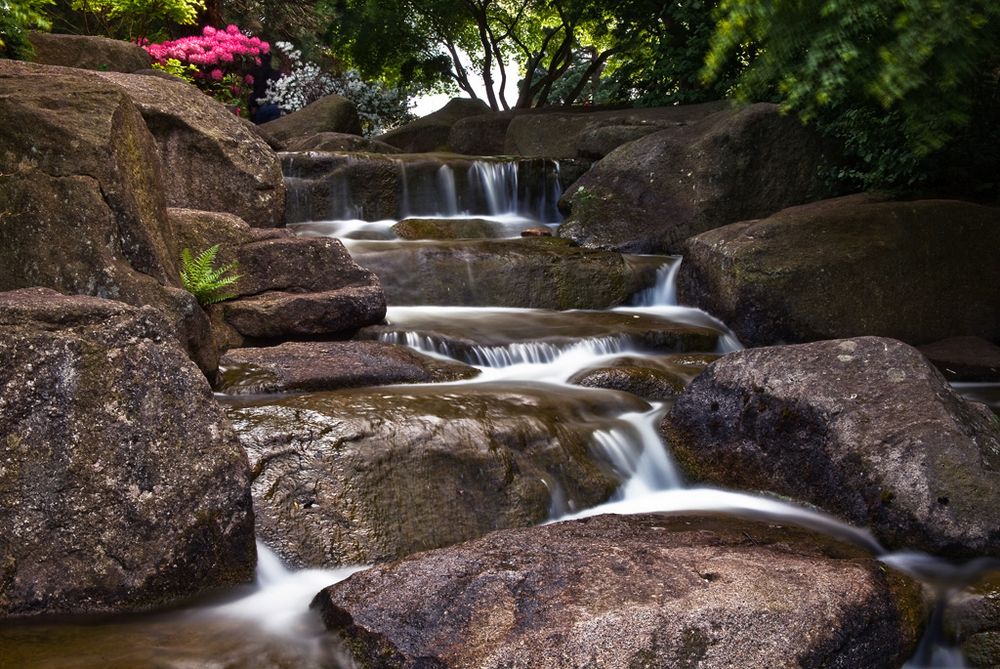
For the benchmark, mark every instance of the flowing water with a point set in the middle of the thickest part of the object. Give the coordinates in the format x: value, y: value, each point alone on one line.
x: 269, y: 624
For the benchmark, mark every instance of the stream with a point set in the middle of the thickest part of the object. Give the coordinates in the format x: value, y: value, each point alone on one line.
x: 269, y: 624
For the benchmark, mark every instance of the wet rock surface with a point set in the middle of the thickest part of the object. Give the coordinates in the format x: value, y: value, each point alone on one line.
x: 448, y: 228
x: 543, y: 273
x: 314, y: 366
x: 654, y: 379
x: 211, y: 160
x: 651, y: 194
x: 463, y: 334
x: 630, y: 591
x: 864, y: 428
x: 972, y: 619
x: 122, y: 486
x: 969, y: 359
x: 355, y: 477
x: 919, y: 271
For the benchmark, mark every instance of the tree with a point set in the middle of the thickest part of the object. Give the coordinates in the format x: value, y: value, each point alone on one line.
x: 16, y: 18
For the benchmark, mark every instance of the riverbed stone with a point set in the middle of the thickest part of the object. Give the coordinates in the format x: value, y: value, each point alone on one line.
x: 211, y: 160
x: 864, y: 428
x: 331, y: 113
x: 355, y: 477
x: 630, y: 591
x: 315, y: 366
x: 919, y: 271
x: 539, y: 272
x: 653, y: 378
x: 83, y: 207
x: 649, y: 195
x: 122, y: 485
x: 88, y: 52
x: 481, y: 335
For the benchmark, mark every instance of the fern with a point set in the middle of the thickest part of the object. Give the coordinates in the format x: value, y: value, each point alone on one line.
x: 202, y: 279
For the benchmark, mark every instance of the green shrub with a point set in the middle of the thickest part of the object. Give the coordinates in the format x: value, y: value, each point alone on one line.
x: 201, y: 278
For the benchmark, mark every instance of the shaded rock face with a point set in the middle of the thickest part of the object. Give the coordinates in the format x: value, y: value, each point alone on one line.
x: 965, y: 359
x: 83, y: 209
x: 917, y: 271
x: 972, y: 619
x: 211, y: 160
x: 431, y: 132
x: 122, y: 486
x: 481, y: 134
x: 544, y: 273
x: 313, y: 366
x: 356, y: 477
x: 331, y: 113
x: 88, y: 52
x: 864, y: 428
x: 338, y: 141
x: 592, y: 134
x: 651, y: 194
x: 630, y: 591
x: 289, y: 286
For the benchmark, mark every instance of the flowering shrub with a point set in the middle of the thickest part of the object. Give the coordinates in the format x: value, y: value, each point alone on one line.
x: 217, y: 61
x: 379, y: 108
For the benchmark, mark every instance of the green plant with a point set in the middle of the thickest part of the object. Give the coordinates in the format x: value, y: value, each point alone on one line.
x: 201, y: 278
x: 136, y: 19
x: 16, y: 18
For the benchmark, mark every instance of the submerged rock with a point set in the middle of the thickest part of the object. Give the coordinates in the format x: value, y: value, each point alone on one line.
x: 864, y: 428
x: 355, y: 477
x: 655, y: 379
x: 919, y: 271
x: 313, y: 366
x: 630, y: 591
x: 211, y: 160
x: 651, y: 194
x: 122, y: 486
x: 541, y: 273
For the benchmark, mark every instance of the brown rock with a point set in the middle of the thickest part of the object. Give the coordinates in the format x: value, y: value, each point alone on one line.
x: 211, y: 160
x: 965, y: 359
x: 653, y: 378
x: 917, y: 271
x: 354, y: 477
x: 88, y: 52
x: 314, y: 366
x: 864, y: 428
x: 649, y: 195
x: 630, y: 591
x: 122, y: 486
x: 431, y: 132
x: 537, y: 232
x: 331, y: 113
x: 338, y: 142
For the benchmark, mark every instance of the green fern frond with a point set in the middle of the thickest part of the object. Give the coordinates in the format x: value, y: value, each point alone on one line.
x: 200, y: 278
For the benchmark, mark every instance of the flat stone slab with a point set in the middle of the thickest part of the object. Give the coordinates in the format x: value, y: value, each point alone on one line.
x: 620, y: 592
x: 314, y: 366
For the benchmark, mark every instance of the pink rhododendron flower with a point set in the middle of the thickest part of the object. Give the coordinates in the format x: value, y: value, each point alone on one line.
x: 216, y: 74
x: 248, y: 79
x: 208, y: 31
x: 232, y: 29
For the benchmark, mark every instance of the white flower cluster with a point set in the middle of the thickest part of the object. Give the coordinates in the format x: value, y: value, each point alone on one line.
x: 379, y: 108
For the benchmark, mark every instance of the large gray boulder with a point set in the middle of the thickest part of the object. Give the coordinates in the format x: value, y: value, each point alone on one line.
x: 211, y: 159
x: 651, y: 194
x: 83, y: 208
x: 864, y: 428
x: 122, y: 486
x: 88, y: 52
x: 919, y: 271
x: 621, y: 592
x: 354, y: 477
x: 331, y: 113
